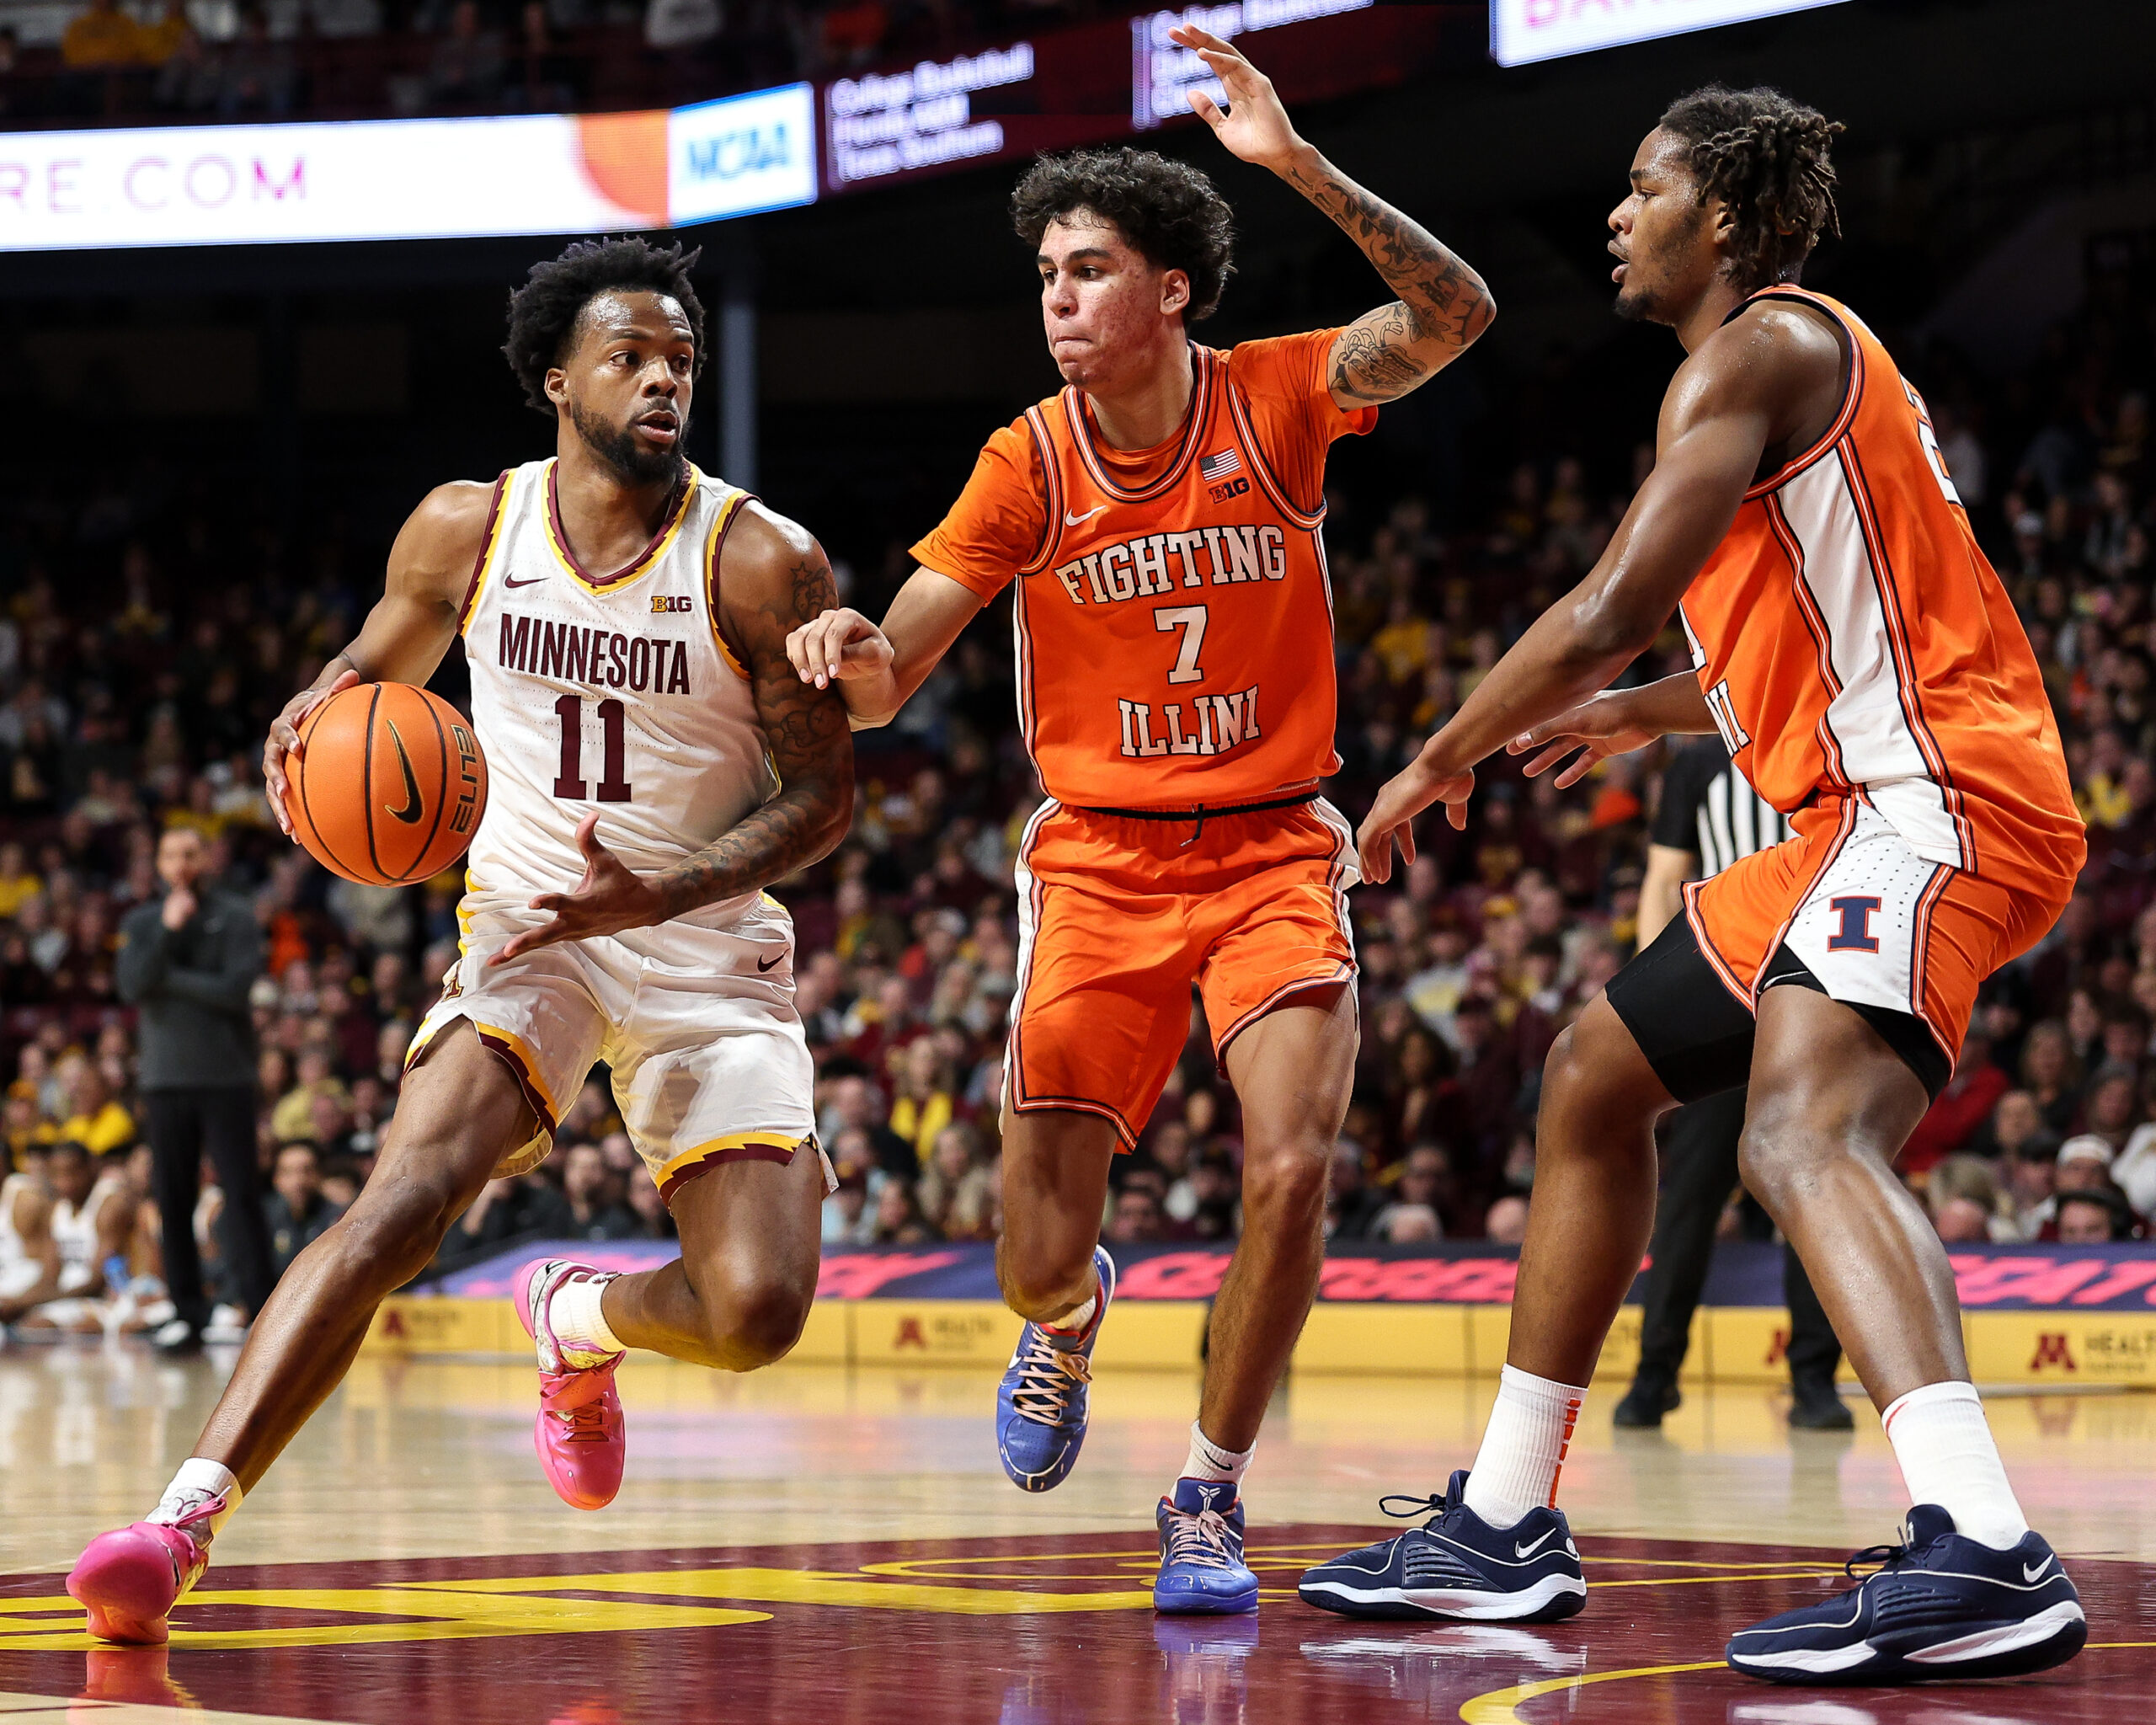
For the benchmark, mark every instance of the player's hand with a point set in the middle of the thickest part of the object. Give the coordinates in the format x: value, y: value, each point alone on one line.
x: 609, y: 898
x: 837, y: 646
x: 1256, y: 126
x: 285, y: 740
x: 1391, y: 819
x: 1600, y: 727
x: 180, y: 905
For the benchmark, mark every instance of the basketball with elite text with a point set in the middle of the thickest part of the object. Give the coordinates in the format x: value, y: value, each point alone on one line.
x: 388, y: 784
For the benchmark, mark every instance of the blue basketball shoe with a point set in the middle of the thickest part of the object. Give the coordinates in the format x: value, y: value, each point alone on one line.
x: 1940, y: 1606
x: 1202, y: 1568
x: 1040, y: 1405
x: 1456, y: 1565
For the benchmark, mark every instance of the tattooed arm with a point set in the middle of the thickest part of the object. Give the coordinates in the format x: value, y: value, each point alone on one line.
x: 1444, y: 305
x: 774, y: 579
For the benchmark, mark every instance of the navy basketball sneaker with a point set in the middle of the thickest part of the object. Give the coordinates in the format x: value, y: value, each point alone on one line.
x: 1202, y: 1568
x: 1040, y: 1405
x: 1456, y: 1565
x: 1940, y: 1606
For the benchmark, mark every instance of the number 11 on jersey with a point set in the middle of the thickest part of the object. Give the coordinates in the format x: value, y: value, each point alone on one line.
x: 613, y: 726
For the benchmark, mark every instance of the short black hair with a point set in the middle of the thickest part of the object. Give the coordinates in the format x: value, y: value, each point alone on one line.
x: 1765, y: 156
x: 543, y: 312
x: 1167, y: 210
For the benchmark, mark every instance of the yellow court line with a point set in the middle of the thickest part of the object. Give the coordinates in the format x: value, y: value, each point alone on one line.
x: 1496, y: 1708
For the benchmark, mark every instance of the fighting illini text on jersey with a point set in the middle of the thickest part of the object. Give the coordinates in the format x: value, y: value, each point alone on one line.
x: 1852, y: 639
x: 1173, y: 612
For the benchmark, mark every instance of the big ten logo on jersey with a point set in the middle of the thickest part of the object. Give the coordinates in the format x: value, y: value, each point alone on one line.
x: 662, y: 603
x: 467, y: 778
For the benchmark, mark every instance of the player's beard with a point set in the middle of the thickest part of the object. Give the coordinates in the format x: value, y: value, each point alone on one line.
x: 617, y: 446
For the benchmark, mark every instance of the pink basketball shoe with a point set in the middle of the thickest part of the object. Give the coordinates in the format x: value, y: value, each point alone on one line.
x: 578, y: 1433
x: 131, y: 1579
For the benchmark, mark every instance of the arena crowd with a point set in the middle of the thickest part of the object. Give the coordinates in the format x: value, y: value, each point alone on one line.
x: 137, y: 676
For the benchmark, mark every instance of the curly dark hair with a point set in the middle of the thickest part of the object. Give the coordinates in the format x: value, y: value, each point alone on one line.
x: 543, y: 312
x: 1168, y: 210
x: 1765, y: 157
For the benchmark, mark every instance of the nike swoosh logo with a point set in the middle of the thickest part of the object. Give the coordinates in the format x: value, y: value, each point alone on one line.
x: 511, y: 581
x: 1071, y: 520
x: 410, y: 813
x: 767, y: 964
x: 2029, y: 1574
x: 1530, y: 1548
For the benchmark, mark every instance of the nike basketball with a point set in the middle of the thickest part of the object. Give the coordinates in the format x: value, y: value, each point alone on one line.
x: 388, y: 786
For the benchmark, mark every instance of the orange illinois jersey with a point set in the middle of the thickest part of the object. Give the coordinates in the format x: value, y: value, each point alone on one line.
x: 1173, y: 613
x: 1852, y: 640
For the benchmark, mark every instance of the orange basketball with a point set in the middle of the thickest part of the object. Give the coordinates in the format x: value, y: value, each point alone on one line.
x: 389, y: 786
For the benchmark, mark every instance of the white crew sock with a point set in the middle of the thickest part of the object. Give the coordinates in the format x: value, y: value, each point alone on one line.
x: 1944, y: 1444
x: 1072, y: 1324
x: 577, y: 1315
x: 1523, y: 1447
x: 1210, y: 1460
x: 197, y: 1481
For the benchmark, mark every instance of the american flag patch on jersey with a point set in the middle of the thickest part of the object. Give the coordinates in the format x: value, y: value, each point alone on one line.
x: 1220, y: 466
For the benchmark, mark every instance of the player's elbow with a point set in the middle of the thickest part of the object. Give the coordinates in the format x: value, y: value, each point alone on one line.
x: 1481, y: 313
x: 834, y: 808
x: 1608, y: 627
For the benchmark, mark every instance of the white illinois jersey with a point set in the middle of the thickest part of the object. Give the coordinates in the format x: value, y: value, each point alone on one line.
x: 609, y: 692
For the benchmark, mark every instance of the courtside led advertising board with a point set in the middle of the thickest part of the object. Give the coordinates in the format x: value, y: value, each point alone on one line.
x: 1522, y: 31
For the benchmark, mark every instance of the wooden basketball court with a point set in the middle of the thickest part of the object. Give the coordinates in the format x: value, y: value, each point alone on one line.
x: 832, y: 1544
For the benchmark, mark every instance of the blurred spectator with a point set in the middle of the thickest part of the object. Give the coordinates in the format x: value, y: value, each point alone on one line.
x: 465, y: 69
x: 2094, y: 1217
x: 899, y: 1220
x: 101, y: 36
x: 595, y: 1195
x: 681, y: 23
x: 298, y: 1215
x: 1506, y: 1223
x: 1135, y: 1218
x: 257, y: 75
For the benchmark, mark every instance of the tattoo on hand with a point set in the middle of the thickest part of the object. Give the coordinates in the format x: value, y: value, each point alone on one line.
x: 1442, y: 306
x: 812, y: 752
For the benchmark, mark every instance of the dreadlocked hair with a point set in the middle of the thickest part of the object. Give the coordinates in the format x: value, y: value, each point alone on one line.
x: 1168, y: 211
x: 543, y: 312
x: 1765, y: 157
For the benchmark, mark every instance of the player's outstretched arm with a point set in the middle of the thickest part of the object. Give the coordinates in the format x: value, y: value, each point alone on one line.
x: 1747, y: 387
x: 412, y: 624
x: 1615, y: 722
x: 1444, y: 305
x: 875, y: 669
x: 773, y: 579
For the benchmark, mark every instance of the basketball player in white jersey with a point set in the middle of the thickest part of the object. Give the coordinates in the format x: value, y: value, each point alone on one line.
x: 655, y: 762
x: 30, y: 1256
x: 85, y: 1223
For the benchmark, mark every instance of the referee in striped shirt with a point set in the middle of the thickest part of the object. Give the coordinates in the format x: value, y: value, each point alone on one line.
x: 1709, y: 816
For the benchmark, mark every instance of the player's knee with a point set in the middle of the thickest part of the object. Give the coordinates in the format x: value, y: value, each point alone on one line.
x: 1287, y: 1177
x: 1041, y: 1282
x: 752, y: 1314
x: 394, y: 1231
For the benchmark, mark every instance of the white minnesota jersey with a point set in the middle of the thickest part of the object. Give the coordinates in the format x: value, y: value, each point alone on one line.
x: 607, y: 691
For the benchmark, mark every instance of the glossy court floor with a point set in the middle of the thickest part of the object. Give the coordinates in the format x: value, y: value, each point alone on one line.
x: 819, y: 1546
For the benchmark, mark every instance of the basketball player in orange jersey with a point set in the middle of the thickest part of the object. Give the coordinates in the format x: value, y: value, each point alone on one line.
x: 1866, y: 670
x: 633, y: 723
x: 1162, y: 521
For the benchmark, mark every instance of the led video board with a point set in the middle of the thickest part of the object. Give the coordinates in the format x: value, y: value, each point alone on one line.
x: 1523, y: 31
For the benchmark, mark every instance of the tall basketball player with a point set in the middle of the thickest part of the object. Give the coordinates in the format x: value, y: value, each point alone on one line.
x: 1866, y: 670
x: 655, y: 762
x: 1161, y: 519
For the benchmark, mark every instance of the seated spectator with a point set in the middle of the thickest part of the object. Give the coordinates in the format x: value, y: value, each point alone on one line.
x: 1408, y: 1223
x: 2134, y: 1169
x: 97, y: 1121
x: 466, y: 67
x: 100, y: 37
x: 2051, y: 1075
x: 157, y: 43
x: 953, y: 1194
x: 297, y: 1213
x: 2097, y: 1216
x: 2112, y: 1109
x: 1959, y: 1183
x: 2029, y: 1180
x: 1962, y: 1221
x: 1425, y: 1183
x: 257, y: 75
x: 1506, y: 1223
x: 594, y: 1192
x: 899, y: 1220
x: 924, y: 1102
x: 655, y: 1221
x: 848, y: 1219
x: 1350, y: 1203
x: 2016, y: 1129
x: 1136, y: 1218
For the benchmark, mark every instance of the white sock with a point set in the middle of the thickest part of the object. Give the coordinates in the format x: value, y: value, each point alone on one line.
x: 1210, y: 1460
x: 1523, y: 1447
x: 196, y: 1482
x: 577, y: 1315
x: 1074, y: 1321
x: 1944, y: 1444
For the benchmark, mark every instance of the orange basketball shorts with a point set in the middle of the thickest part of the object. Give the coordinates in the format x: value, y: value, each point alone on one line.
x: 1119, y: 917
x: 1876, y: 925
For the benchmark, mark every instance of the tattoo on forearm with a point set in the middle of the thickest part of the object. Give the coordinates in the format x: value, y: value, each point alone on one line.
x: 1443, y: 304
x: 812, y: 752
